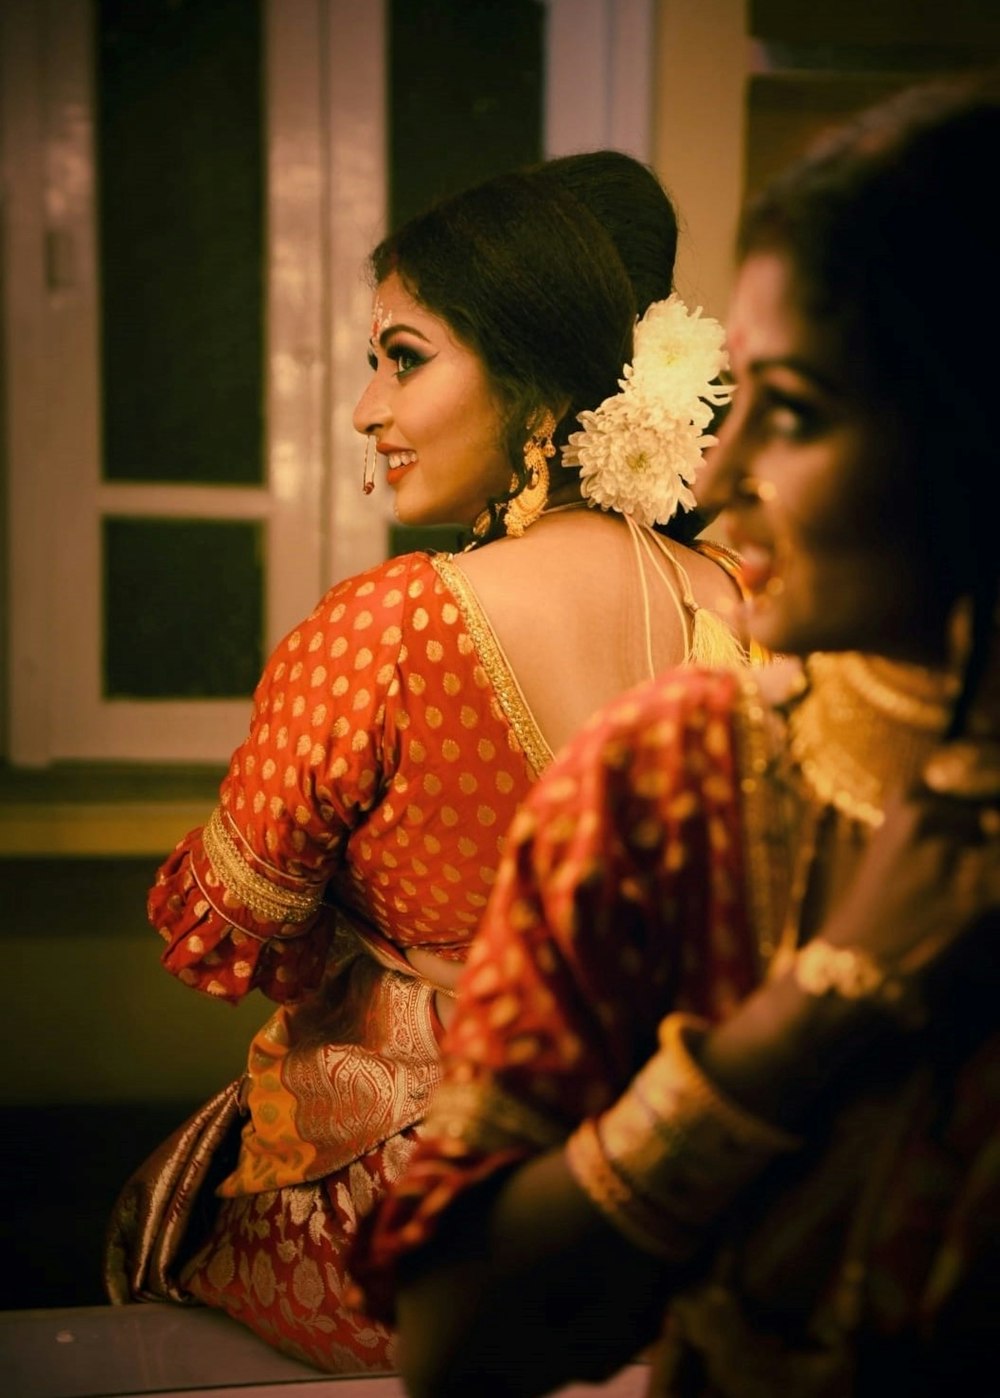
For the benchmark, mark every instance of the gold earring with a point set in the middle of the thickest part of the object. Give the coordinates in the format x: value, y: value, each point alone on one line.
x: 368, y: 471
x: 530, y: 501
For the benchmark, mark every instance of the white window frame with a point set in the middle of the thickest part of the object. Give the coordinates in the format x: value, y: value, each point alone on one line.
x: 599, y: 76
x: 326, y: 156
x: 326, y: 179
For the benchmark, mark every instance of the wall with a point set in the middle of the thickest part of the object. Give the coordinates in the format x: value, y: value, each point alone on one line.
x: 742, y: 86
x: 698, y: 137
x: 90, y: 1016
x: 102, y: 1055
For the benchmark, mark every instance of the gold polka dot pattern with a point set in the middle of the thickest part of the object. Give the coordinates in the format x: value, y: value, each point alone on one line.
x: 388, y: 748
x: 621, y: 896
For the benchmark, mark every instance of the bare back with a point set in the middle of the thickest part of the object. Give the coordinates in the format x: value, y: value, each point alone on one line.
x: 583, y: 612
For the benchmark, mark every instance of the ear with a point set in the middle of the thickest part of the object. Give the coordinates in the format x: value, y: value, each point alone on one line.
x: 546, y: 420
x: 542, y: 425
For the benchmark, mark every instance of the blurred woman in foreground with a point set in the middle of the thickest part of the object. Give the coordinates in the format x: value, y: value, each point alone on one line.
x: 725, y: 1070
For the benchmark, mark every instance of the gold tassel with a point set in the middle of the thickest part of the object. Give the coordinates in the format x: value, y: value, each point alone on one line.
x: 712, y: 642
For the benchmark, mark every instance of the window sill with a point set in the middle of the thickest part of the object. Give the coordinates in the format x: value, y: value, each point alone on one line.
x: 87, y: 810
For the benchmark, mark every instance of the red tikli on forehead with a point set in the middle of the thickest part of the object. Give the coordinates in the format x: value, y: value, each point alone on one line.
x: 380, y: 319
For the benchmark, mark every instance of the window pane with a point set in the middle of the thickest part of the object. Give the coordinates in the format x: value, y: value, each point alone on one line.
x: 183, y: 608
x: 181, y: 193
x: 465, y: 97
x: 465, y: 92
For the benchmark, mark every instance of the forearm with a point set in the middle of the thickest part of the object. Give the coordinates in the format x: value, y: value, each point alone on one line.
x: 576, y: 1253
x: 525, y: 1289
x: 784, y: 1047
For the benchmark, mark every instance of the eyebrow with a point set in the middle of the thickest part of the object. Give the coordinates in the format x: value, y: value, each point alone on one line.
x: 395, y: 328
x: 802, y: 367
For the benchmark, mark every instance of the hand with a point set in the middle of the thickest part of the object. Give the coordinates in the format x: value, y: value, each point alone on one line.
x: 924, y: 905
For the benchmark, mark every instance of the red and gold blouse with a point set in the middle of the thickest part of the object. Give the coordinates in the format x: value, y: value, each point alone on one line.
x: 362, y: 817
x: 356, y: 788
x: 388, y: 749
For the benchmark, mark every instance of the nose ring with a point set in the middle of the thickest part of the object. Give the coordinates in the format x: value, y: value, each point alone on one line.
x: 752, y: 490
x: 368, y: 472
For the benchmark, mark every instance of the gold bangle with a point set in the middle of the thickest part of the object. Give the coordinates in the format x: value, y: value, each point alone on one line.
x: 644, y: 1225
x: 667, y: 1158
x: 673, y: 1079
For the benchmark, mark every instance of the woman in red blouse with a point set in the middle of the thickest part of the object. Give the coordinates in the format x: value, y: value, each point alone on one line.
x: 397, y: 728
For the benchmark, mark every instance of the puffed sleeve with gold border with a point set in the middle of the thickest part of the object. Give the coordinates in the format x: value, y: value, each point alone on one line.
x: 238, y: 902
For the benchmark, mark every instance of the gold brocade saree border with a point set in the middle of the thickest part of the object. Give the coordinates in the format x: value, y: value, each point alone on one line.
x: 316, y: 1107
x: 763, y: 849
x: 495, y: 663
x: 266, y: 900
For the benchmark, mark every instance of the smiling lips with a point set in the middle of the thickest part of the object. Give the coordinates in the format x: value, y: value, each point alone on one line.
x: 757, y: 566
x: 398, y: 463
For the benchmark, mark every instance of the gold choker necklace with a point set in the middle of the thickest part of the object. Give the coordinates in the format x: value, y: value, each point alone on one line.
x: 865, y: 727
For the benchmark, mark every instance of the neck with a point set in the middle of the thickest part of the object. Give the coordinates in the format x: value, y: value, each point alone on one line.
x: 564, y: 496
x: 563, y: 509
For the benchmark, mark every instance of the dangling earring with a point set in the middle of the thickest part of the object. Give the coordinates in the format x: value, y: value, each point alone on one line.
x: 528, y: 504
x: 368, y: 472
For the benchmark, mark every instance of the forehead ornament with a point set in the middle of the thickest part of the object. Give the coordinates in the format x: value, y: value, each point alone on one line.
x: 381, y: 319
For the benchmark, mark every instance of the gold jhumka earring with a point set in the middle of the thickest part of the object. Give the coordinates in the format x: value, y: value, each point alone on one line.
x: 526, y: 507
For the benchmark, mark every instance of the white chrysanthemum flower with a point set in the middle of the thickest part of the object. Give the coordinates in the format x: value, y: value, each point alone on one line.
x: 639, y: 452
x: 636, y: 461
x: 678, y: 351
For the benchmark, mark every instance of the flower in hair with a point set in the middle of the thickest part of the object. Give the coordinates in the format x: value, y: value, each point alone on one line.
x: 639, y: 452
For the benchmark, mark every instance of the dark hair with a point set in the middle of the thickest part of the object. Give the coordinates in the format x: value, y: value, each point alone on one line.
x: 542, y: 273
x: 893, y: 247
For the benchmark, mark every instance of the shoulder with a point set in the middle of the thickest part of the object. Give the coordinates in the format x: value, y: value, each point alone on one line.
x: 685, y: 693
x: 658, y: 724
x: 365, y: 612
x: 387, y: 583
x: 381, y: 590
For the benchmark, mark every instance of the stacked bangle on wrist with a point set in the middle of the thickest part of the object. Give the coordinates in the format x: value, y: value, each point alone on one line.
x: 672, y: 1153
